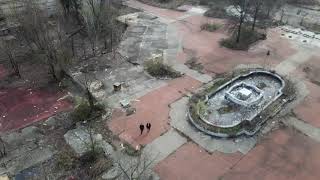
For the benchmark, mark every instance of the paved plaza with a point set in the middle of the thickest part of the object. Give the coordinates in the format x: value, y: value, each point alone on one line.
x: 289, y: 146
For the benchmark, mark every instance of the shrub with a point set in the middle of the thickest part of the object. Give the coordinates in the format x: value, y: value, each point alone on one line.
x: 101, y: 165
x: 66, y: 160
x: 94, y: 163
x: 210, y: 27
x: 247, y: 38
x: 201, y: 108
x: 158, y: 69
x: 92, y: 156
x: 82, y: 112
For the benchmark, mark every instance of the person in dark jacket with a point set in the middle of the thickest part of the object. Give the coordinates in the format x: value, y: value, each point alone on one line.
x: 148, y: 126
x: 141, y: 128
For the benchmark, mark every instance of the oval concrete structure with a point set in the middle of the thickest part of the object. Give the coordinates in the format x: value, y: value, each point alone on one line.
x: 235, y: 107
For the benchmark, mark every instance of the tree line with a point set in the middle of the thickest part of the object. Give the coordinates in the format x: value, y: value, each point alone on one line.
x: 52, y: 36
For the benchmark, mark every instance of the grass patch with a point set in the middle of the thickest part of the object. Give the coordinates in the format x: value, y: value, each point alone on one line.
x: 210, y: 27
x: 158, y: 69
x: 82, y: 112
x: 247, y: 38
x: 201, y: 108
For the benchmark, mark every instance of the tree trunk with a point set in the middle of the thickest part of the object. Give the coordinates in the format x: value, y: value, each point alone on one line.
x: 14, y: 65
x: 90, y: 99
x: 111, y: 39
x: 239, y: 27
x: 3, y: 151
x: 53, y: 72
x: 105, y: 43
x: 72, y: 46
x: 255, y: 17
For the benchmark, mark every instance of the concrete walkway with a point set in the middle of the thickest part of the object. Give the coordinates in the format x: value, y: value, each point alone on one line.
x: 163, y: 146
x: 303, y: 127
x: 287, y: 66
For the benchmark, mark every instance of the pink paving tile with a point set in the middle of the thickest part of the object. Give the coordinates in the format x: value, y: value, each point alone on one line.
x: 191, y: 162
x: 217, y: 59
x: 297, y: 157
x: 308, y: 110
x: 285, y: 154
x: 153, y: 108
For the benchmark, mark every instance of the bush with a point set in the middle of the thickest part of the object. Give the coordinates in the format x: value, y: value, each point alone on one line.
x: 82, y: 112
x: 101, y: 165
x: 94, y: 163
x: 66, y: 160
x: 91, y: 157
x: 201, y: 108
x: 158, y: 69
x: 247, y: 38
x: 210, y: 27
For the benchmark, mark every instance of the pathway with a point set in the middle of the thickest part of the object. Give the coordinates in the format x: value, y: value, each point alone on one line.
x: 293, y: 62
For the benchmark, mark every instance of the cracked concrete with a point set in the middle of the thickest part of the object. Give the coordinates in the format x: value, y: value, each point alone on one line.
x: 164, y: 145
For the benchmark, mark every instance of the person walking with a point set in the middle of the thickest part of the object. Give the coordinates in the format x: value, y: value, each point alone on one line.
x: 148, y: 126
x: 141, y: 128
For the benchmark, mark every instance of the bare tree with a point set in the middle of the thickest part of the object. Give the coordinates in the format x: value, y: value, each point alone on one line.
x: 136, y: 168
x: 42, y: 36
x: 109, y: 29
x: 72, y: 9
x: 7, y: 47
x: 243, y: 7
x: 3, y: 151
x: 91, y: 12
x: 257, y: 5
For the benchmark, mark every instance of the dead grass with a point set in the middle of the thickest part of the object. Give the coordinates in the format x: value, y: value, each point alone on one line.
x: 158, y: 69
x: 211, y: 27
